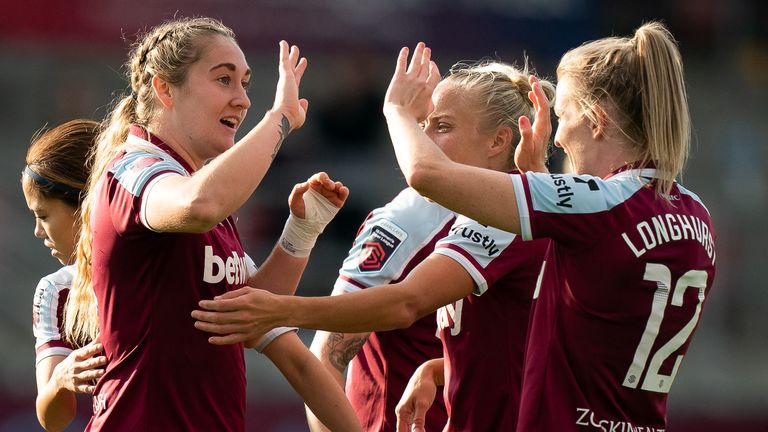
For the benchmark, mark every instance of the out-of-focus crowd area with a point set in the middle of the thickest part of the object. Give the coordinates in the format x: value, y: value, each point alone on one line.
x: 63, y: 59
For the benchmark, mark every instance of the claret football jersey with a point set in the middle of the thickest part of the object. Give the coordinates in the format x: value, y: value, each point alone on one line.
x: 390, y: 243
x: 484, y: 333
x: 626, y: 280
x: 162, y: 374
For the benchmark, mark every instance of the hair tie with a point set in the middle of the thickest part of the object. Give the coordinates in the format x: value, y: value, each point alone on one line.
x: 45, y: 183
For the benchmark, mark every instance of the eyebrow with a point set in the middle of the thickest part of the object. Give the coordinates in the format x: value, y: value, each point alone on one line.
x: 229, y: 66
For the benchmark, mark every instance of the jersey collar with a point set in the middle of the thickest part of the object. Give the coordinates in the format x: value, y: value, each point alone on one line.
x: 140, y: 132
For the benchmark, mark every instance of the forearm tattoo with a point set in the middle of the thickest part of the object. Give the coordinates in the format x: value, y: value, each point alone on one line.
x: 285, y: 129
x: 341, y: 350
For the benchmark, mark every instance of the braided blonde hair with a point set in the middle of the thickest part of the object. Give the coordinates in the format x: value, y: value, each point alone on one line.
x: 166, y: 51
x: 500, y: 92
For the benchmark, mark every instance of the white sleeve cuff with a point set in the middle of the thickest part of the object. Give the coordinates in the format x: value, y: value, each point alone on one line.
x: 272, y: 335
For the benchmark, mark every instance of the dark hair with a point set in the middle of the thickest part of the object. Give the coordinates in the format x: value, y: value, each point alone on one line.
x: 57, y: 160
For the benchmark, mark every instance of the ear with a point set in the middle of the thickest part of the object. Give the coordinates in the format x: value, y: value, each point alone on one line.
x: 502, y: 141
x: 163, y: 91
x: 599, y: 127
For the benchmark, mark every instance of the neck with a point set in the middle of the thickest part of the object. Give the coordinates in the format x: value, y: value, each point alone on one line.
x: 160, y: 130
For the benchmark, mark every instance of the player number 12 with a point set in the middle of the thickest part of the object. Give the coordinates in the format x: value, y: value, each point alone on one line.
x: 655, y: 381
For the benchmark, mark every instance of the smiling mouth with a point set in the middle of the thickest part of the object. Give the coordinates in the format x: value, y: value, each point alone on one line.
x: 230, y: 122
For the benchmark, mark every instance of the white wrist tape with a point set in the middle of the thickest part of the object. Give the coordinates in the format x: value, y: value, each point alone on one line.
x: 299, y: 235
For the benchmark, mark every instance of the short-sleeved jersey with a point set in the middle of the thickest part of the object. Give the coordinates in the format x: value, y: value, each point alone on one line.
x: 162, y: 374
x: 390, y: 243
x: 626, y: 280
x: 48, y: 312
x: 484, y: 333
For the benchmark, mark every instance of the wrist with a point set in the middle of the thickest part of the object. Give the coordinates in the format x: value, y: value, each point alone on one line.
x: 298, y: 237
x: 391, y: 109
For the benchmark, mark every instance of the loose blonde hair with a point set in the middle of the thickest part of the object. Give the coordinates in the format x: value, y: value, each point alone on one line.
x: 167, y: 51
x: 500, y: 92
x: 638, y: 85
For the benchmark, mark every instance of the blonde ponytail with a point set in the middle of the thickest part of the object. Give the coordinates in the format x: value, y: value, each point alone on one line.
x: 639, y: 83
x: 81, y: 323
x: 665, y: 115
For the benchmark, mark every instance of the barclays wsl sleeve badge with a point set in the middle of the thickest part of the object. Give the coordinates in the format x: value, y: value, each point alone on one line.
x: 379, y: 246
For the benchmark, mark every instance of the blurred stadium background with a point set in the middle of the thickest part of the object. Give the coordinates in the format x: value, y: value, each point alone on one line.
x: 61, y: 59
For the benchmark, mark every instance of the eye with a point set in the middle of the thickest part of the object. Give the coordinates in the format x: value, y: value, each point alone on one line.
x: 246, y: 85
x: 224, y: 79
x: 443, y: 127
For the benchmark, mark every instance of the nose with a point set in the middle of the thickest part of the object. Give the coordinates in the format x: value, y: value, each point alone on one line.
x: 39, y: 231
x: 242, y: 100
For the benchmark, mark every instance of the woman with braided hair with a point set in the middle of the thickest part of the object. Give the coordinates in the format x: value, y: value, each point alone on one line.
x: 158, y: 237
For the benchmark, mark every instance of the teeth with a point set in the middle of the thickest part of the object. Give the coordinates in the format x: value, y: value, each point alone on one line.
x: 229, y: 121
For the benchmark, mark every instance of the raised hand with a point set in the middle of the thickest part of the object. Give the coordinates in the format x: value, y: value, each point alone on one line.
x: 287, y: 102
x: 80, y: 368
x: 313, y: 204
x: 531, y: 152
x: 334, y: 192
x: 237, y: 316
x: 412, y: 84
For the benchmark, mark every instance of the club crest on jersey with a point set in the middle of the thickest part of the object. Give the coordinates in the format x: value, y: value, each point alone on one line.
x: 380, y: 244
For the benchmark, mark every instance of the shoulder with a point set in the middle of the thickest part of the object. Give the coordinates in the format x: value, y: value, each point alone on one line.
x: 581, y: 194
x: 137, y: 167
x: 411, y: 210
x: 53, y: 283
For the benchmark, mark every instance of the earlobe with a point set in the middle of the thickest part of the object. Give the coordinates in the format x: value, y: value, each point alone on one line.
x: 162, y: 91
x: 502, y: 141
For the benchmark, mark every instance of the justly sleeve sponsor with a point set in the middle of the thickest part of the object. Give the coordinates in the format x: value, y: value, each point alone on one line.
x: 475, y: 247
x: 563, y: 206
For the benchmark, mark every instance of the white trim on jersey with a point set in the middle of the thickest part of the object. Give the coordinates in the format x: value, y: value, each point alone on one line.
x: 342, y: 286
x: 47, y: 327
x: 147, y: 190
x: 410, y: 219
x: 522, y: 206
x: 50, y: 352
x: 271, y: 336
x: 695, y: 197
x: 480, y: 282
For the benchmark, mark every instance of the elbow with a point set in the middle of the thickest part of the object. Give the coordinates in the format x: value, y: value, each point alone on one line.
x: 53, y: 421
x: 422, y: 176
x: 202, y: 213
x: 408, y: 312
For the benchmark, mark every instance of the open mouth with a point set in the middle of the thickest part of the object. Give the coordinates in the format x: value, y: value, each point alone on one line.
x: 230, y: 122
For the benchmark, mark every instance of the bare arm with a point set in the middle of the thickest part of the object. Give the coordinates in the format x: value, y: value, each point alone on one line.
x: 481, y: 194
x: 419, y: 395
x: 247, y: 313
x: 312, y: 382
x: 59, y: 378
x: 199, y: 202
x: 282, y: 270
x: 335, y: 351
